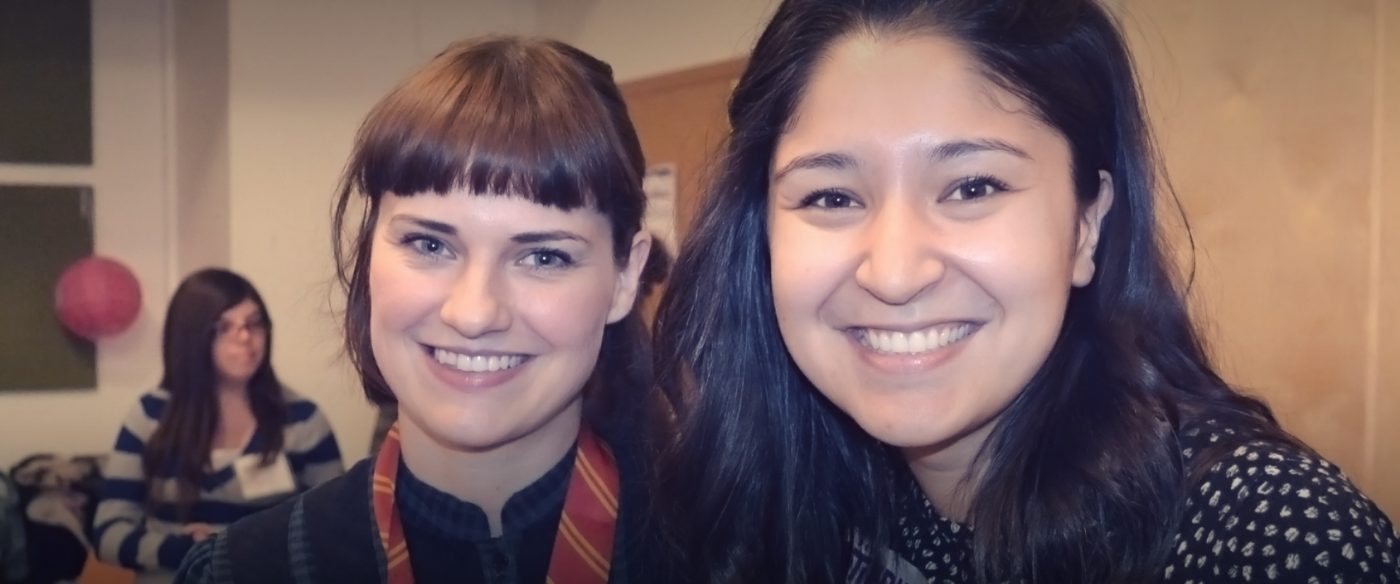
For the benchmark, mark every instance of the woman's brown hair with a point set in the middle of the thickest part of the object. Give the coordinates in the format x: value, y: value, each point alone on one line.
x: 502, y: 116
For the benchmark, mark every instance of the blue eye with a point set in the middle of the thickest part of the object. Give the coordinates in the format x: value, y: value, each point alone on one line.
x: 426, y: 245
x: 830, y: 199
x: 548, y: 259
x: 977, y: 187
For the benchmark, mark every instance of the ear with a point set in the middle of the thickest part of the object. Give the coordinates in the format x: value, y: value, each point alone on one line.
x: 1090, y: 226
x: 630, y: 277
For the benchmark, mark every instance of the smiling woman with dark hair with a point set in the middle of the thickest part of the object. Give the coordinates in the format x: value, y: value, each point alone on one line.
x: 925, y: 328
x: 492, y: 284
x: 220, y: 438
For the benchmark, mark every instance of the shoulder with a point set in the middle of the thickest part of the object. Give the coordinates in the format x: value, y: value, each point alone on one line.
x: 300, y: 409
x: 142, y: 418
x: 630, y: 455
x: 1275, y: 511
x: 334, y: 497
x: 639, y: 553
x: 198, y: 565
x: 152, y: 403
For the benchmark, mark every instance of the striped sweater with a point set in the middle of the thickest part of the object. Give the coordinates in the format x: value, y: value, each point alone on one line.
x: 132, y: 530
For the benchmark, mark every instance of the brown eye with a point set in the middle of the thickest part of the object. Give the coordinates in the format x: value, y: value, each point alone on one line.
x: 830, y: 199
x: 977, y: 187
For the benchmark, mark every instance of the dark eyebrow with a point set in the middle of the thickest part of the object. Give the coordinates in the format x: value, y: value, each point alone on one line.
x: 525, y: 238
x: 545, y: 236
x: 428, y: 224
x: 954, y: 149
x: 827, y: 160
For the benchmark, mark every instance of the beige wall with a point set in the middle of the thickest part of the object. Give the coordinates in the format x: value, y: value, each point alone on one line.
x: 640, y: 38
x: 1383, y: 420
x: 1268, y: 116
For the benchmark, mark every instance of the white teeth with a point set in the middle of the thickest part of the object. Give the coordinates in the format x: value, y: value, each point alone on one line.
x: 477, y: 363
x: 899, y: 343
x: 918, y: 342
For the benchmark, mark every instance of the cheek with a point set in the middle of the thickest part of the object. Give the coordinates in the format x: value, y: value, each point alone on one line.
x: 806, y: 266
x: 1026, y: 256
x: 566, y: 314
x: 1025, y: 272
x: 399, y: 297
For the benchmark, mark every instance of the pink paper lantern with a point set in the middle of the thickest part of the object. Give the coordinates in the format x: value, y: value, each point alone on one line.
x: 97, y: 297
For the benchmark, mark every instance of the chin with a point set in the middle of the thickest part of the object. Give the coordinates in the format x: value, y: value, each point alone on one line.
x: 903, y: 431
x: 472, y: 436
x: 907, y: 439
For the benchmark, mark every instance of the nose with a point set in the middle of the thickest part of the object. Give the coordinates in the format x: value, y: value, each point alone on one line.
x: 476, y: 304
x: 902, y: 256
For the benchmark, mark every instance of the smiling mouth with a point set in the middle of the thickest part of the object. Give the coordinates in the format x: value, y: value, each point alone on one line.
x: 477, y: 363
x: 924, y: 341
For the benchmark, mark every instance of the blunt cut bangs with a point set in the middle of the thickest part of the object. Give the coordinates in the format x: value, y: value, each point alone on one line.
x: 507, y: 117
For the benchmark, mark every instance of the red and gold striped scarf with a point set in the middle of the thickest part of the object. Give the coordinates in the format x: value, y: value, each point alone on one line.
x: 583, y: 547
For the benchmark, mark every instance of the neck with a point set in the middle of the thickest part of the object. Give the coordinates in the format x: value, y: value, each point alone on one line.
x: 949, y: 473
x: 233, y: 390
x: 487, y: 477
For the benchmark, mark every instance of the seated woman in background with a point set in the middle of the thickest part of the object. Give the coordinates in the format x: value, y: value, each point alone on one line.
x: 492, y: 284
x: 220, y: 438
x: 934, y: 337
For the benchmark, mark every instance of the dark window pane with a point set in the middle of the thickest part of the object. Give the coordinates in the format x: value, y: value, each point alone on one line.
x: 46, y: 81
x: 42, y: 231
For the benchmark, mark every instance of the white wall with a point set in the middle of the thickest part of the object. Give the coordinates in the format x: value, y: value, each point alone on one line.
x: 640, y: 38
x: 199, y: 150
x: 131, y: 222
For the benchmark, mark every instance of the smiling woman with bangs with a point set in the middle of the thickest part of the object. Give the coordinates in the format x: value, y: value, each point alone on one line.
x: 492, y: 285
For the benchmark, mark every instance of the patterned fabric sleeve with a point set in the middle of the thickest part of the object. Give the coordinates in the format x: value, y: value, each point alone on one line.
x: 123, y: 534
x: 207, y: 563
x: 1271, y: 513
x: 311, y: 447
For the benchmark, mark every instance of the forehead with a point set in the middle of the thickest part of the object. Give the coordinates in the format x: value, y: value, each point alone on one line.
x: 241, y: 311
x: 890, y: 90
x: 476, y: 214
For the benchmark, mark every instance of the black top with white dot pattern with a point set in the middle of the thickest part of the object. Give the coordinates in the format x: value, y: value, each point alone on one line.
x: 1266, y: 512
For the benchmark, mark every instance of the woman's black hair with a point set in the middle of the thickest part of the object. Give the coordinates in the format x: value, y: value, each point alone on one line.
x: 1083, y: 476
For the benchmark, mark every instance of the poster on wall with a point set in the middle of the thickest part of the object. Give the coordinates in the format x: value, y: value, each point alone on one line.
x: 43, y: 230
x: 660, y: 187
